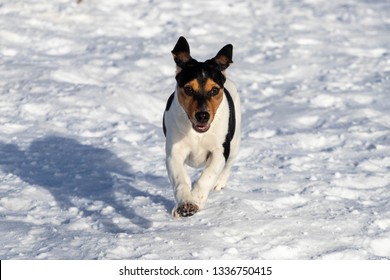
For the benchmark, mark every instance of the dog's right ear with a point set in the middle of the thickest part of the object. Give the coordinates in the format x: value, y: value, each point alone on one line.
x: 181, y: 53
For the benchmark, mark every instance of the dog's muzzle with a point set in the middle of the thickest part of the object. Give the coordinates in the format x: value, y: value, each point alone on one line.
x: 202, y: 121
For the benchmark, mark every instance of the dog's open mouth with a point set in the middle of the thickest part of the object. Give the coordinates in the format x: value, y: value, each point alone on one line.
x: 201, y: 127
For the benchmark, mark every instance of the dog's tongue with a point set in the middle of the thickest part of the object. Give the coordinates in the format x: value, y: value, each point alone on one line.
x: 201, y: 127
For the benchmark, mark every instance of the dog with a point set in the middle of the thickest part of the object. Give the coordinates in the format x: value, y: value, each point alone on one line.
x: 201, y: 124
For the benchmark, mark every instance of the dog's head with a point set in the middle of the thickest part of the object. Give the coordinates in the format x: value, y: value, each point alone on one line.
x: 200, y: 84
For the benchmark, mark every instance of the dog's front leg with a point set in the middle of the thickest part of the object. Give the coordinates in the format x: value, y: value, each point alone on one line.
x: 208, y: 178
x: 181, y: 183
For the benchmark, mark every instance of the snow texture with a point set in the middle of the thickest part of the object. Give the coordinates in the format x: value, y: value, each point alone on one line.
x: 82, y: 157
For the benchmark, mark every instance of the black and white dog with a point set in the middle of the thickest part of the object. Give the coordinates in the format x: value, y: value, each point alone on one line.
x: 202, y: 126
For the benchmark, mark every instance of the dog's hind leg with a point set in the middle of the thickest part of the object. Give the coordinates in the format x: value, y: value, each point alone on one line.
x: 223, y: 178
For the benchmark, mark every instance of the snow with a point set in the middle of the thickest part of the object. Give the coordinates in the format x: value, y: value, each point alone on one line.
x: 82, y: 159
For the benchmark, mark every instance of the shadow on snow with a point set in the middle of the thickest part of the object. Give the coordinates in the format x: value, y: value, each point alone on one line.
x: 72, y: 172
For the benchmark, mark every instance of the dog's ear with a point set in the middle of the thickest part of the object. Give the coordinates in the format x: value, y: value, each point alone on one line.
x: 224, y: 57
x: 181, y: 52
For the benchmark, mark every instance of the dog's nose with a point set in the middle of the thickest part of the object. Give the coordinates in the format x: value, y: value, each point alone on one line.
x: 202, y: 117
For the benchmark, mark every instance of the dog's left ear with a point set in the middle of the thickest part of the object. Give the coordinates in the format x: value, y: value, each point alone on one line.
x: 224, y: 57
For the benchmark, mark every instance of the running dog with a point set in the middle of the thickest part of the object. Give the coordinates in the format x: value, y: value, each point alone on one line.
x: 202, y: 127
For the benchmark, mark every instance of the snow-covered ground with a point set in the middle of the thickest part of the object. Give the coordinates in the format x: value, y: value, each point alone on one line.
x: 82, y: 160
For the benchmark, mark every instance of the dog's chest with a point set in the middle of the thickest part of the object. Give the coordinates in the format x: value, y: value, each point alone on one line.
x: 200, y: 149
x: 202, y: 145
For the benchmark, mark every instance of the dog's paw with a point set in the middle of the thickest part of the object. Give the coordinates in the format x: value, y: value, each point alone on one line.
x: 221, y: 183
x: 185, y: 209
x: 217, y: 188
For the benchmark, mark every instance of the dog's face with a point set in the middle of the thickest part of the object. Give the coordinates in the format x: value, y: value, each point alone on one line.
x: 200, y: 84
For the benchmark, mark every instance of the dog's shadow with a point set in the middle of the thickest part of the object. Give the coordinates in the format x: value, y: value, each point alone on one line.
x: 74, y: 172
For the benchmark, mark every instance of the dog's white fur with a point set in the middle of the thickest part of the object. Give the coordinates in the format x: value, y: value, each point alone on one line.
x: 186, y: 146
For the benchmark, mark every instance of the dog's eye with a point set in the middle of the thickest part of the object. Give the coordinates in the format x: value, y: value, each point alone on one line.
x: 189, y: 90
x: 214, y: 91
